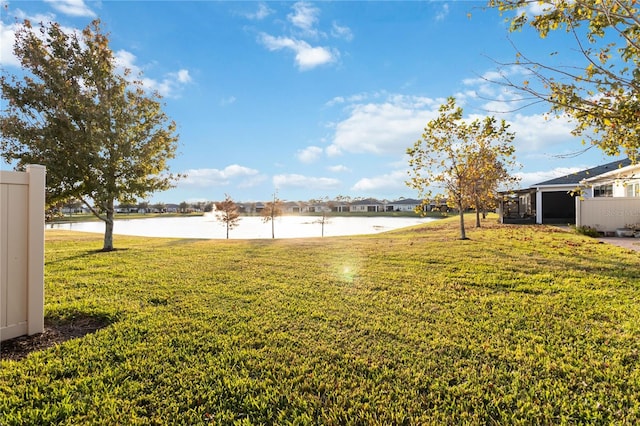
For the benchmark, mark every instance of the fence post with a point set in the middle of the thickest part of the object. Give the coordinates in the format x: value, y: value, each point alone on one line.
x: 35, y: 277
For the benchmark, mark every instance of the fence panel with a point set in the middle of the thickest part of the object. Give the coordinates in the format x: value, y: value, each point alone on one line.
x: 22, y: 252
x: 606, y: 214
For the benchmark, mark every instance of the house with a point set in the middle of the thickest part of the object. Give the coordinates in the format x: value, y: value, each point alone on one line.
x: 292, y: 206
x: 366, y: 205
x: 405, y: 205
x: 552, y: 201
x: 339, y: 206
x: 610, y: 201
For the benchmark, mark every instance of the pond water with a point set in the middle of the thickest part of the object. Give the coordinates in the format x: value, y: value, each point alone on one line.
x: 249, y: 227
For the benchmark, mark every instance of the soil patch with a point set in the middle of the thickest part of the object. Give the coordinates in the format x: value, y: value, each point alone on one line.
x: 55, y: 332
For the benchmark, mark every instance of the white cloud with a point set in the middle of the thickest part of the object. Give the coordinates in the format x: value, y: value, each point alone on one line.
x: 536, y: 8
x: 353, y: 98
x: 217, y: 177
x: 309, y: 154
x: 388, y: 127
x: 72, y: 7
x: 540, y: 132
x: 262, y: 12
x: 443, y: 12
x: 169, y: 86
x: 307, y: 56
x: 528, y: 179
x: 7, y: 40
x: 304, y: 17
x: 8, y: 34
x: 393, y: 182
x: 333, y: 150
x: 227, y: 101
x: 338, y: 168
x: 338, y: 31
x: 493, y: 89
x: 300, y: 181
x: 182, y: 76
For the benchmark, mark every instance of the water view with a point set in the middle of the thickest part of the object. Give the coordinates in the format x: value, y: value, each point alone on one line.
x: 249, y: 227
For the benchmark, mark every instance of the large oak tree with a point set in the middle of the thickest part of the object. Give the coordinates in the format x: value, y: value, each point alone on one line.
x: 102, y: 137
x: 603, y: 93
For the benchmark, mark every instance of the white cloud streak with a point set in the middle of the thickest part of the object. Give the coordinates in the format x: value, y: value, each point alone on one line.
x: 304, y: 17
x: 306, y: 56
x: 339, y: 168
x: 387, y: 127
x: 391, y: 183
x: 217, y: 177
x: 72, y: 7
x: 341, y: 32
x: 528, y: 179
x: 443, y: 12
x: 7, y: 40
x: 309, y: 154
x: 169, y: 86
x: 262, y: 12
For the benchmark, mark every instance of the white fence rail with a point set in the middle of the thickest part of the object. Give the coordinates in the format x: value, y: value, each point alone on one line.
x: 22, y: 252
x: 606, y: 214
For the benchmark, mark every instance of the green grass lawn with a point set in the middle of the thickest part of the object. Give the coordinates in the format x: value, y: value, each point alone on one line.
x: 518, y: 325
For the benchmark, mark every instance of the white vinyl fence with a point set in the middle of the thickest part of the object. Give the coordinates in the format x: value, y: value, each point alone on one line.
x: 22, y: 252
x: 606, y: 214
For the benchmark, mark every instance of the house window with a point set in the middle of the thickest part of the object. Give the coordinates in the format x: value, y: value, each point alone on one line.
x: 633, y: 189
x: 603, y: 191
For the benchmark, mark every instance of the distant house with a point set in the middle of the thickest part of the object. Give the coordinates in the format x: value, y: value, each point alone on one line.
x: 366, y: 205
x: 293, y: 206
x: 339, y: 206
x: 74, y: 210
x: 405, y: 205
x: 552, y: 201
x: 172, y: 208
x: 127, y: 209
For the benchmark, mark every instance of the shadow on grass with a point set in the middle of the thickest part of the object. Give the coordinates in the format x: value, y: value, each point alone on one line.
x: 85, y: 254
x: 56, y: 331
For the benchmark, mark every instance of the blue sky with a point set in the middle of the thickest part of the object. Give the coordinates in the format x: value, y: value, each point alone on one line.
x: 314, y: 99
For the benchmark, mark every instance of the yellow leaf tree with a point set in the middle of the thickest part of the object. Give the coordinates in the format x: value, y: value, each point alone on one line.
x: 466, y: 160
x: 603, y: 93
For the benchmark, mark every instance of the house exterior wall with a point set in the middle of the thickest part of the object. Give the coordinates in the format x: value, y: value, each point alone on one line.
x: 606, y: 214
x: 22, y: 252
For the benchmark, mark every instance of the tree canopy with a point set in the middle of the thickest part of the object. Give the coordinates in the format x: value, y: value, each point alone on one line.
x: 603, y: 94
x: 102, y: 137
x: 468, y: 160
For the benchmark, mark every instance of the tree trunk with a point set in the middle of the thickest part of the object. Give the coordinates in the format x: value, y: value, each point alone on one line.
x: 477, y: 217
x: 463, y: 234
x: 227, y: 229
x: 108, y: 230
x: 273, y: 228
